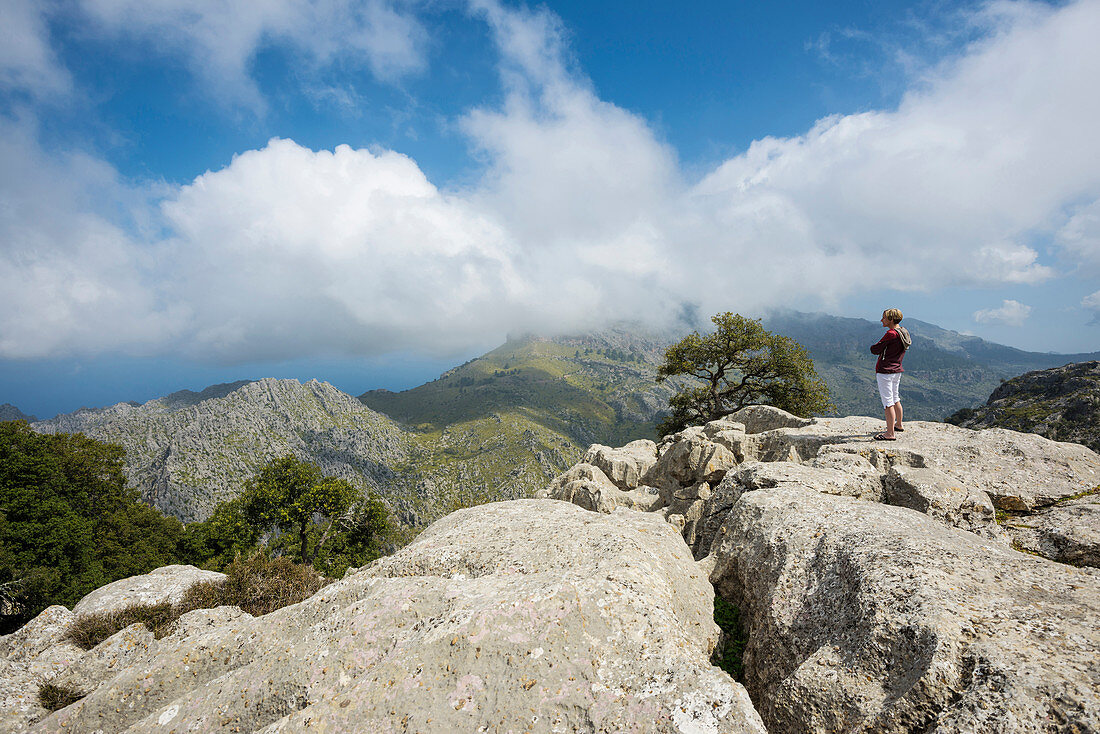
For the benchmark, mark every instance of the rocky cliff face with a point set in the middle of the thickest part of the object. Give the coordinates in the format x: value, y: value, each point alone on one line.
x: 190, y: 451
x: 9, y: 412
x: 1062, y: 403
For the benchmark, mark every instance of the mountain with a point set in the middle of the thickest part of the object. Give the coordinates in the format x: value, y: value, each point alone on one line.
x: 944, y: 370
x: 187, y: 454
x: 1062, y: 403
x: 9, y: 412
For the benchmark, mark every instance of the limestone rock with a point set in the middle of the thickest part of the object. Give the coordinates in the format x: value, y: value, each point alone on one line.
x: 522, y: 615
x: 942, y: 498
x: 760, y: 418
x: 1019, y: 471
x: 624, y: 466
x: 32, y: 654
x: 165, y: 584
x: 691, y: 459
x: 756, y: 475
x: 1068, y: 532
x: 867, y: 617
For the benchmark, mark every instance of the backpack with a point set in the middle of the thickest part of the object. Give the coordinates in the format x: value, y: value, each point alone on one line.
x: 903, y: 334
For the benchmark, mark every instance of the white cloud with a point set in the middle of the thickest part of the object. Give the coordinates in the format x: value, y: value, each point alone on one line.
x: 1010, y: 313
x: 1079, y: 240
x: 219, y: 39
x: 27, y: 63
x: 582, y: 214
x: 1092, y: 303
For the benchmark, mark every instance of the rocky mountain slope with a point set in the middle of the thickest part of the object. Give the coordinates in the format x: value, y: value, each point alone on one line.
x: 877, y: 590
x: 1062, y: 403
x: 189, y: 451
x: 498, y: 427
x: 9, y: 412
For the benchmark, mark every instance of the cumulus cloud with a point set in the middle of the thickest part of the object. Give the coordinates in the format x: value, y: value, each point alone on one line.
x: 219, y: 39
x: 1010, y: 313
x: 583, y: 214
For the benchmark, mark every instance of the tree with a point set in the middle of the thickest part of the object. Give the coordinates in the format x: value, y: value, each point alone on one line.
x: 287, y: 493
x: 68, y: 522
x: 737, y: 365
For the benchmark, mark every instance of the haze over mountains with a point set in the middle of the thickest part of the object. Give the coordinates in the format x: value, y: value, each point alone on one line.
x: 499, y: 426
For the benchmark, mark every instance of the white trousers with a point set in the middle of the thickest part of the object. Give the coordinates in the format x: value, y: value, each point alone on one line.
x: 888, y: 388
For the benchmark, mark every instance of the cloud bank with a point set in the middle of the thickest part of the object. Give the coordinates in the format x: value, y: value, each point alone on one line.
x: 583, y: 214
x: 1010, y: 313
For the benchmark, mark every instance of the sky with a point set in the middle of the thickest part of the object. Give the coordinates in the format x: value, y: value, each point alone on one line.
x: 371, y: 191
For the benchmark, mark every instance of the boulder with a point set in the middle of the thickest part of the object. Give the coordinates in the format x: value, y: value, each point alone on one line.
x: 691, y: 458
x: 167, y: 584
x: 943, y: 498
x: 760, y: 418
x: 624, y: 466
x: 523, y: 615
x: 867, y: 617
x: 585, y: 485
x: 756, y: 475
x: 1068, y: 532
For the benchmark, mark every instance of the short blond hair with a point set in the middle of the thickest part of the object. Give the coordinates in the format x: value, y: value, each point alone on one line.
x: 893, y: 315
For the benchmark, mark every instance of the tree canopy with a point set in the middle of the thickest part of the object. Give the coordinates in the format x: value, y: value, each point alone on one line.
x: 289, y: 507
x: 68, y: 522
x: 739, y: 364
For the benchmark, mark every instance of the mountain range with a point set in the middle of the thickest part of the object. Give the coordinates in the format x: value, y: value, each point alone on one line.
x: 499, y: 426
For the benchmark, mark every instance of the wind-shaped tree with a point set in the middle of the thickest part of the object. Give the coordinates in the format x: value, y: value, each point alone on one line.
x: 740, y: 364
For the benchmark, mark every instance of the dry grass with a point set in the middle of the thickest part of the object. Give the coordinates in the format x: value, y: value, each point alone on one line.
x: 258, y: 585
x: 52, y: 697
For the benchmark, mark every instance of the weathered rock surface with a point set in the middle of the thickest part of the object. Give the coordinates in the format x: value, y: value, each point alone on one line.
x: 760, y: 418
x: 1068, y: 531
x: 523, y: 615
x: 32, y: 654
x: 863, y: 617
x: 165, y: 584
x: 624, y: 466
x: 587, y: 486
x: 958, y: 476
x: 942, y: 498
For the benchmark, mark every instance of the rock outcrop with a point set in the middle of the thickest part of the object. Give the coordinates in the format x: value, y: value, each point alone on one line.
x: 866, y: 617
x: 1068, y: 531
x: 165, y: 584
x: 876, y: 587
x: 1061, y: 403
x: 516, y: 616
x: 957, y: 476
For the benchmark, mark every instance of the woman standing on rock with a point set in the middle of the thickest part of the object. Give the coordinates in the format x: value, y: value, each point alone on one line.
x: 890, y: 350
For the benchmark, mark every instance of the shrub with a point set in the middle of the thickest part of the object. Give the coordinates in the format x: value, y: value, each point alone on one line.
x: 53, y: 697
x: 258, y: 585
x: 91, y: 629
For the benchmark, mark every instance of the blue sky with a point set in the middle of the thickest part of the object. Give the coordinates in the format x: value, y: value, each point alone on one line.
x: 369, y: 192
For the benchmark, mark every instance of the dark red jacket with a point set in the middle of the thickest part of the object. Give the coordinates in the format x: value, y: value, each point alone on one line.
x: 890, y: 353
